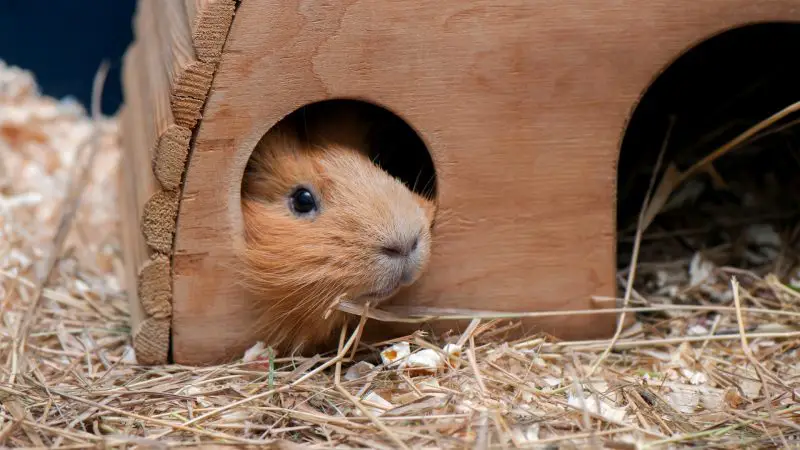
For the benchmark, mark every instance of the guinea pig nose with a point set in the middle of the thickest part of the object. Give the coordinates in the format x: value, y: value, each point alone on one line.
x: 401, y: 248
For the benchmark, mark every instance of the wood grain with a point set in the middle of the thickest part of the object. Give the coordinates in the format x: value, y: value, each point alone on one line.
x: 133, y: 247
x: 210, y: 21
x: 139, y: 129
x: 155, y: 287
x: 190, y: 78
x: 138, y: 184
x: 522, y: 107
x: 165, y: 86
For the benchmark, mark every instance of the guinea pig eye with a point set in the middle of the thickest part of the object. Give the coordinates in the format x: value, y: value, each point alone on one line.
x: 303, y: 201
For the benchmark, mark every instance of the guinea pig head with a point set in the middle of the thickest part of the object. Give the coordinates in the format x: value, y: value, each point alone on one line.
x: 321, y: 222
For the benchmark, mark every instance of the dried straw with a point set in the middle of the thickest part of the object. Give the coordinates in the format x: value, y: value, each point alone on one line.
x: 709, y: 362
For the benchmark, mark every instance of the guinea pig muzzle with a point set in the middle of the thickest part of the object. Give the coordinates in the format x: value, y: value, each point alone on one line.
x: 405, y: 277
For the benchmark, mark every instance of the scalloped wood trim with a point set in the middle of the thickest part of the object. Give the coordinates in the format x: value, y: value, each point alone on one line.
x: 167, y: 75
x: 211, y: 20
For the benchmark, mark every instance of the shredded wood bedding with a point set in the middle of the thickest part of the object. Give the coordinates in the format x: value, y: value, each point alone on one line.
x: 711, y: 360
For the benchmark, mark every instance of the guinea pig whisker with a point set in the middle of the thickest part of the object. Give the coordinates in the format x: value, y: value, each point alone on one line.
x: 427, y: 184
x: 317, y: 297
x: 416, y: 181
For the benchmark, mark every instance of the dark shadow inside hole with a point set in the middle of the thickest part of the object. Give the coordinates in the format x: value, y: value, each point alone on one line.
x: 716, y: 91
x: 392, y: 144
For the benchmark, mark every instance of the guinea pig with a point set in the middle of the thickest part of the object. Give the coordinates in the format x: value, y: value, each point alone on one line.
x: 321, y: 220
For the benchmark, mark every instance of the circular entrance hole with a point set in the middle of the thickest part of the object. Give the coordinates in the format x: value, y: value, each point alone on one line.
x: 743, y: 211
x: 391, y: 143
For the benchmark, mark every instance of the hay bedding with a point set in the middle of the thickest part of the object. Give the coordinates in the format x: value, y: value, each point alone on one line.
x: 681, y: 376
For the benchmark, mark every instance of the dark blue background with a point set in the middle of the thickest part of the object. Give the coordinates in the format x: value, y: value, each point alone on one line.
x: 63, y: 43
